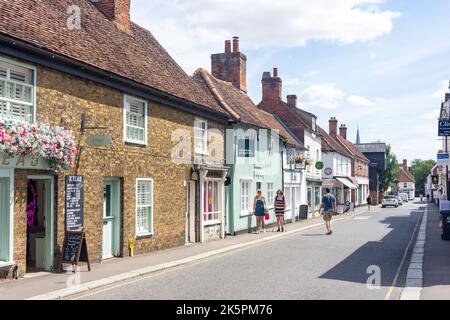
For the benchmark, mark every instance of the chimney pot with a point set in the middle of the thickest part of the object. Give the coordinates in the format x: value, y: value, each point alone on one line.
x: 405, y: 165
x: 333, y: 127
x: 227, y: 46
x: 275, y: 72
x: 236, y: 44
x: 292, y: 101
x: 117, y: 11
x: 343, y: 131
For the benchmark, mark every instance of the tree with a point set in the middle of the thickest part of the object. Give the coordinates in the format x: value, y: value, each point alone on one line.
x: 388, y: 176
x: 420, y: 169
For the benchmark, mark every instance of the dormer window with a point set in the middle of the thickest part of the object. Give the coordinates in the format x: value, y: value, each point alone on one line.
x: 313, y: 124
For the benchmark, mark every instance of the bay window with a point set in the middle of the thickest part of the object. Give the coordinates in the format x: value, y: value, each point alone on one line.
x: 211, y: 209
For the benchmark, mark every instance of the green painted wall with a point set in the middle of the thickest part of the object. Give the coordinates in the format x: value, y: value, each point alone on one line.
x: 268, y: 169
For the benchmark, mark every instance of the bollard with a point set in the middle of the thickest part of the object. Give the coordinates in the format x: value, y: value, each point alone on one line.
x: 131, y: 246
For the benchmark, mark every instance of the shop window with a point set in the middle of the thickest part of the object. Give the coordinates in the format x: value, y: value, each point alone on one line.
x: 144, y: 207
x: 17, y: 90
x: 317, y: 197
x: 211, y: 209
x: 310, y: 203
x: 245, y: 197
x: 135, y: 121
x: 288, y: 197
x: 201, y: 136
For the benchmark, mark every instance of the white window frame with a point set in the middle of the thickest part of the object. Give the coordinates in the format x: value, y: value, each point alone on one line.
x: 216, y: 213
x: 204, y: 138
x: 33, y: 70
x: 150, y: 232
x: 250, y: 204
x: 270, y: 200
x: 126, y: 100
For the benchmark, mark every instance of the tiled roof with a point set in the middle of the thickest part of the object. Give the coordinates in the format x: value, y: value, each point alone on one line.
x: 241, y: 105
x: 331, y: 145
x: 135, y: 55
x: 354, y: 150
x: 405, y: 176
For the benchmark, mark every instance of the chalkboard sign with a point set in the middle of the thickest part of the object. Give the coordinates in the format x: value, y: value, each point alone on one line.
x: 74, y: 203
x: 75, y: 249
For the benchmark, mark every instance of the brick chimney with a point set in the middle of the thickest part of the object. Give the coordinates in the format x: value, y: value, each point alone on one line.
x: 292, y: 101
x: 117, y: 11
x: 333, y: 127
x: 343, y: 131
x: 272, y: 87
x: 405, y: 165
x: 231, y: 66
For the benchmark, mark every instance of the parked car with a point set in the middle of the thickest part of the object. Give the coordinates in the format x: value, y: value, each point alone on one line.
x: 404, y: 197
x: 390, y: 201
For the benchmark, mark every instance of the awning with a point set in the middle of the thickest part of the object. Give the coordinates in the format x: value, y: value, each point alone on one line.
x: 346, y: 182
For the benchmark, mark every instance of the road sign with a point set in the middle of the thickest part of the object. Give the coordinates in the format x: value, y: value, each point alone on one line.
x: 444, y: 128
x: 443, y: 159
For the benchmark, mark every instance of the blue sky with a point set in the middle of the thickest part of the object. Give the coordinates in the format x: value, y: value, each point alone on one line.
x: 382, y: 64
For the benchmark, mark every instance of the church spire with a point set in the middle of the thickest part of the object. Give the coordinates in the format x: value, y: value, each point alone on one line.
x: 358, y: 137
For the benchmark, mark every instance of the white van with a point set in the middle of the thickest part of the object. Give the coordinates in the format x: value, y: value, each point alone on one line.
x: 404, y: 197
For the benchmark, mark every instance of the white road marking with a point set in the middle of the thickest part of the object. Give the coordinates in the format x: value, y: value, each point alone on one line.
x: 414, y: 278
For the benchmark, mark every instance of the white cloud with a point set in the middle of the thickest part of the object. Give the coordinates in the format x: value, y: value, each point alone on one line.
x: 373, y: 55
x: 360, y: 101
x: 324, y: 96
x: 311, y: 73
x: 193, y: 29
x: 433, y: 115
x: 443, y: 88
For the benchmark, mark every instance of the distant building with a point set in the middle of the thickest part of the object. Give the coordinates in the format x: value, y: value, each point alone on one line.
x: 376, y: 153
x: 406, y: 183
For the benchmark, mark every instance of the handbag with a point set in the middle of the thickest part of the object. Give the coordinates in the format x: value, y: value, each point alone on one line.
x: 266, y: 212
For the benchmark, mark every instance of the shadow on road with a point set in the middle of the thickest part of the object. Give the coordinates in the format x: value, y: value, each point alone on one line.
x: 385, y: 254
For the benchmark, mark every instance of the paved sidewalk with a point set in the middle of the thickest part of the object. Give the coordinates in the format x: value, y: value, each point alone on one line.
x: 436, y: 268
x: 121, y: 269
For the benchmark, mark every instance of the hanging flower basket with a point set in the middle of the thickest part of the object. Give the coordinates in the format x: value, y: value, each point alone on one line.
x: 308, y: 162
x: 299, y: 160
x: 38, y: 140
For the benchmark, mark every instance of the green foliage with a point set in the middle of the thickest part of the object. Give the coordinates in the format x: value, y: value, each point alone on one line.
x: 388, y: 177
x: 420, y: 169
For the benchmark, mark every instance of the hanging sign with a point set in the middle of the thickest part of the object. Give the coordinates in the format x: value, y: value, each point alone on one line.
x: 75, y: 249
x: 319, y: 165
x: 97, y: 141
x: 74, y: 203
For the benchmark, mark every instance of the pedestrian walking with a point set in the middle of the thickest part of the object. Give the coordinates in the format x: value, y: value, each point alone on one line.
x: 328, y: 210
x: 280, y: 209
x: 369, y: 201
x: 428, y: 198
x: 259, y: 207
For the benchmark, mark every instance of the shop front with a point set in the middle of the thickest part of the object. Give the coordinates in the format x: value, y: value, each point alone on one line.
x: 211, y: 198
x: 314, y: 194
x: 27, y: 237
x: 341, y: 188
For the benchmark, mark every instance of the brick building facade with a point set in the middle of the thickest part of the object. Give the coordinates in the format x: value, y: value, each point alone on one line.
x: 155, y: 115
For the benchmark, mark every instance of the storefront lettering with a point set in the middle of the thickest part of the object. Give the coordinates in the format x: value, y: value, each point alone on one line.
x: 23, y: 162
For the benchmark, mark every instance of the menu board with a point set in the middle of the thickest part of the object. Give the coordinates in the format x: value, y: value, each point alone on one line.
x: 74, y: 203
x: 72, y: 245
x: 75, y: 249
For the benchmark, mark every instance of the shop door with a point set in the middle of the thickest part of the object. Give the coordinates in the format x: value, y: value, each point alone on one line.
x: 40, y: 220
x: 111, y: 218
x: 190, y: 212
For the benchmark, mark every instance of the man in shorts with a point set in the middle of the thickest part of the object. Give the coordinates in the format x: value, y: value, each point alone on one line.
x: 328, y: 209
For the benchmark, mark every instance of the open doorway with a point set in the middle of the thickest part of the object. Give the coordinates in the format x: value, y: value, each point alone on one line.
x: 39, y: 214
